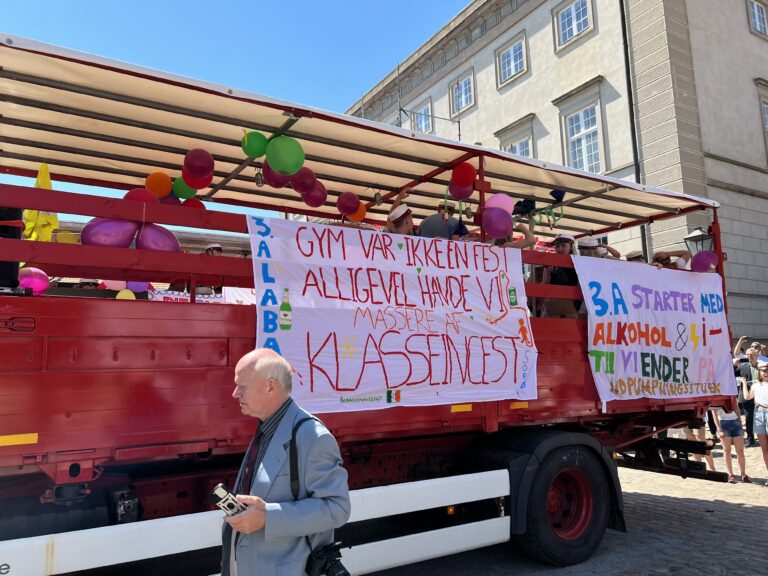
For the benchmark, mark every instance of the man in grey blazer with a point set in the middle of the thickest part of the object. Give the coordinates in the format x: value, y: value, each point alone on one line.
x: 273, y: 535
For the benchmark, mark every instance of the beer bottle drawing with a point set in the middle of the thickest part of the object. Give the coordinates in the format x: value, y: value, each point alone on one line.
x: 512, y: 294
x: 285, y: 320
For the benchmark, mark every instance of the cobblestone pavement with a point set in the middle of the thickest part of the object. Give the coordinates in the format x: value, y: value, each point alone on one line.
x: 674, y: 527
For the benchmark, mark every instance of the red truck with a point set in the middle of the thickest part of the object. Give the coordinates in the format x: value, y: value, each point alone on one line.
x: 117, y: 413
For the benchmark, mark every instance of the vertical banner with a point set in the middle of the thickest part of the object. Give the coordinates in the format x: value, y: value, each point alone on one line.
x: 370, y: 320
x: 655, y: 333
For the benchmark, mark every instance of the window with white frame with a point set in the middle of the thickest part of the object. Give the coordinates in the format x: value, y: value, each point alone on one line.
x: 462, y: 93
x: 521, y: 146
x: 583, y: 139
x: 511, y: 60
x: 517, y: 137
x: 758, y: 16
x: 422, y: 117
x: 572, y: 20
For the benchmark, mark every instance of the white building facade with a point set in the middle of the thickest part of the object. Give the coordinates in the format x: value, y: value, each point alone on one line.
x: 673, y: 93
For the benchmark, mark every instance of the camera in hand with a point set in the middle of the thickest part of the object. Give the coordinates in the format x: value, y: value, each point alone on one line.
x: 225, y: 500
x: 326, y: 560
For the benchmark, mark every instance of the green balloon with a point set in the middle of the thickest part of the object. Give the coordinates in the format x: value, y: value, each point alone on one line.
x: 182, y: 190
x: 254, y: 144
x: 285, y: 155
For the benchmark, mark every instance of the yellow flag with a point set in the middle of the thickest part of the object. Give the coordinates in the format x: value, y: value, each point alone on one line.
x: 39, y: 225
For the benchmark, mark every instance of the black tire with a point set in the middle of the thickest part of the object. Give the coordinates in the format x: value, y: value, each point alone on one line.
x: 568, y: 508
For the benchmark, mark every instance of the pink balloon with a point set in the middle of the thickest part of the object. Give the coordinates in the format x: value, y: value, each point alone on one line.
x: 303, y: 181
x: 272, y: 178
x: 348, y: 203
x: 35, y: 279
x: 109, y: 232
x: 459, y: 192
x: 497, y: 222
x: 501, y: 200
x: 704, y: 261
x: 196, y: 183
x: 171, y: 200
x: 141, y: 195
x: 198, y: 163
x: 114, y: 284
x: 317, y: 196
x: 154, y: 237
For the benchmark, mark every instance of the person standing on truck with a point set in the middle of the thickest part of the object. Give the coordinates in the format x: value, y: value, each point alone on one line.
x: 664, y: 259
x: 400, y: 220
x: 589, y: 246
x: 750, y: 373
x: 526, y: 241
x: 758, y: 394
x: 558, y: 307
x: 277, y: 533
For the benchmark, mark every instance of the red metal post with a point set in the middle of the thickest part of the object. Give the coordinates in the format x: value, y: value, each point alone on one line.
x: 481, y: 186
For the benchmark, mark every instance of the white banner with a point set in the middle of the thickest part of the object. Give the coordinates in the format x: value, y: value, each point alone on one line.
x: 373, y: 320
x: 243, y: 296
x: 173, y: 296
x: 655, y: 333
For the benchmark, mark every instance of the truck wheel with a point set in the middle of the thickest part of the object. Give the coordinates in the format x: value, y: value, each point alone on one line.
x: 568, y: 508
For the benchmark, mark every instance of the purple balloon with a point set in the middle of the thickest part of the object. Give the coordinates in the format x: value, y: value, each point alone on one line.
x: 317, y: 196
x: 303, y: 181
x: 272, y: 178
x: 348, y: 203
x: 109, y: 232
x: 497, y: 222
x: 171, y: 200
x: 154, y: 237
x: 138, y: 286
x: 704, y: 261
x: 33, y: 278
x: 459, y: 192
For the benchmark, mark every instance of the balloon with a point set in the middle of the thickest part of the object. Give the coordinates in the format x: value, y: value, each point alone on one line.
x: 304, y: 180
x: 114, y: 284
x: 171, y: 199
x: 35, y: 279
x: 272, y: 178
x: 64, y: 237
x: 254, y: 144
x: 463, y: 174
x: 285, y: 155
x: 317, y: 196
x: 704, y: 261
x: 137, y: 286
x: 193, y: 203
x: 125, y: 295
x: 198, y: 163
x: 196, y: 183
x: 182, y: 190
x: 109, y: 232
x: 159, y: 183
x: 500, y: 200
x: 497, y: 222
x: 348, y: 203
x: 141, y: 195
x: 154, y: 237
x: 359, y: 213
x: 459, y: 192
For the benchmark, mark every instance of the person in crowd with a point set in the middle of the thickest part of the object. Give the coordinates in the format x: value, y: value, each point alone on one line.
x: 699, y: 434
x: 88, y: 284
x: 526, y: 241
x: 589, y: 246
x: 635, y: 256
x: 758, y: 393
x: 214, y: 249
x: 680, y: 262
x: 730, y: 432
x: 400, y: 220
x: 276, y: 533
x: 750, y: 373
x: 738, y: 348
x: 557, y: 307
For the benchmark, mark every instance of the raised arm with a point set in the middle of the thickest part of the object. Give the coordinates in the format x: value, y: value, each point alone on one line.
x: 738, y: 349
x: 527, y: 241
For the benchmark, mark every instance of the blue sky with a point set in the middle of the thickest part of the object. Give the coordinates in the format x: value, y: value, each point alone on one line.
x: 321, y: 54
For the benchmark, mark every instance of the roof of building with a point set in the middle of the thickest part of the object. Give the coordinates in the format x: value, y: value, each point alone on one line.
x: 140, y: 121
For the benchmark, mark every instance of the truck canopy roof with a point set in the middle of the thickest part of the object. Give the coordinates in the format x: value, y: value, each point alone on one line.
x: 107, y: 123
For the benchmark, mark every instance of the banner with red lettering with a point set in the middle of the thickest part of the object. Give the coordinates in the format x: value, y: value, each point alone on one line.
x: 655, y: 333
x: 371, y: 320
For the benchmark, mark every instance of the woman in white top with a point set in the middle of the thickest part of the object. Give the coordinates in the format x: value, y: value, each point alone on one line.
x: 759, y: 393
x: 729, y: 430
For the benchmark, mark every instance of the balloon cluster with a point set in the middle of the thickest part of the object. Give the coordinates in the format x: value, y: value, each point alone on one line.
x: 462, y: 181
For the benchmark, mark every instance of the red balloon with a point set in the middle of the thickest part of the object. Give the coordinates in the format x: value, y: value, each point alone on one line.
x: 193, y: 203
x: 272, y: 178
x: 199, y: 163
x: 317, y: 196
x: 459, y: 192
x: 464, y: 174
x: 171, y: 200
x: 196, y: 183
x: 348, y: 203
x: 303, y: 181
x: 141, y: 195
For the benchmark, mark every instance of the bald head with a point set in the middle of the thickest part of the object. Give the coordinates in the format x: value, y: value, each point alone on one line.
x: 262, y: 382
x: 265, y: 363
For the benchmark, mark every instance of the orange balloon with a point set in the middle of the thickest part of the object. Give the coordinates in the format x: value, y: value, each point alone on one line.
x: 359, y: 213
x: 159, y: 183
